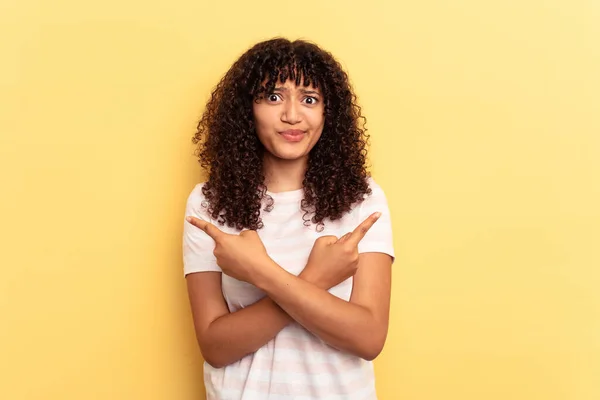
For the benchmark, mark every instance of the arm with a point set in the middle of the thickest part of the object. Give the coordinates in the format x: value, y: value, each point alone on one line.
x: 359, y: 326
x: 225, y: 337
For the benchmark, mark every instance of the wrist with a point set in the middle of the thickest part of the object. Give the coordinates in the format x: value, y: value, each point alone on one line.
x: 264, y: 273
x: 310, y: 275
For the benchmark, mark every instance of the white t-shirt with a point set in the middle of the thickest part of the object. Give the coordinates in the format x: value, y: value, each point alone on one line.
x: 295, y: 364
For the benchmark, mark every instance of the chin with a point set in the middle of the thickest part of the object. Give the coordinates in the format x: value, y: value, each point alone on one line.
x: 290, y: 154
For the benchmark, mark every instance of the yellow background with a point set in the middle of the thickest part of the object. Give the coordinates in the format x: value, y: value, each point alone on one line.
x: 485, y: 127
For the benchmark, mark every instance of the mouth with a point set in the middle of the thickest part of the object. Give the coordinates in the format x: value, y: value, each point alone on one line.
x: 293, y: 135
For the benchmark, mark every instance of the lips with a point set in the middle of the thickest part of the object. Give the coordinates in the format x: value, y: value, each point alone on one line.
x: 293, y: 135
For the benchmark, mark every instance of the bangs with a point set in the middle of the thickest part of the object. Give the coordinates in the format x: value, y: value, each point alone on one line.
x: 300, y: 71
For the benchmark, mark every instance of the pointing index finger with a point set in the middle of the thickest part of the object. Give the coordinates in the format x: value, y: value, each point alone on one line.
x: 361, y: 230
x: 205, y: 226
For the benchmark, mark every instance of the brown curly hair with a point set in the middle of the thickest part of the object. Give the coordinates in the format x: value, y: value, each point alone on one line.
x: 229, y: 149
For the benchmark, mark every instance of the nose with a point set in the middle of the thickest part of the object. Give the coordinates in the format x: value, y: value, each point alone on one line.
x: 291, y: 113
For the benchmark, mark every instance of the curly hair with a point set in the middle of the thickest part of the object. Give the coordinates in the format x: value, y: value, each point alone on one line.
x: 229, y: 149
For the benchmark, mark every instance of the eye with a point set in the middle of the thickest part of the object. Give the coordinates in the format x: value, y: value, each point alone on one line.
x: 272, y: 97
x: 311, y: 100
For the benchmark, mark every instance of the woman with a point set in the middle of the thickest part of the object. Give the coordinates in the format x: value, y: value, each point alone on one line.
x: 288, y: 245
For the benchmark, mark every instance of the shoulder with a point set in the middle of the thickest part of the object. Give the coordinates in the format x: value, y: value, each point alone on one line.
x: 197, y: 206
x: 379, y: 238
x: 377, y: 192
x: 196, y: 193
x: 375, y: 201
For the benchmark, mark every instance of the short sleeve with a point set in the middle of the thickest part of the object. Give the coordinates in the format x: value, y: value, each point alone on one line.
x: 379, y: 238
x: 198, y: 247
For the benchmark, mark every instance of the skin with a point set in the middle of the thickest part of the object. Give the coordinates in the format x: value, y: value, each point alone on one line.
x: 358, y: 326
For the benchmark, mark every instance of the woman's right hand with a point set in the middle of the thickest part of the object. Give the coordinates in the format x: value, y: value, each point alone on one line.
x: 332, y: 260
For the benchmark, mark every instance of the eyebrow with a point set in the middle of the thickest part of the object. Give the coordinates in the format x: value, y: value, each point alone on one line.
x: 304, y: 91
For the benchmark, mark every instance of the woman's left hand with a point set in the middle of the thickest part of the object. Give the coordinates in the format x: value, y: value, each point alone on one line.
x: 239, y: 256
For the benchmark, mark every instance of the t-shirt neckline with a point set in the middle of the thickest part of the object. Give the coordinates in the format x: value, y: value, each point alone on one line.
x: 290, y: 195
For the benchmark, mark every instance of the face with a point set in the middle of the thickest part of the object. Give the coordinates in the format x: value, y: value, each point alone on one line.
x: 289, y: 121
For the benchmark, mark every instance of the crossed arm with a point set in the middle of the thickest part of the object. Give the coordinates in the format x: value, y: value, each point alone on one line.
x: 358, y: 326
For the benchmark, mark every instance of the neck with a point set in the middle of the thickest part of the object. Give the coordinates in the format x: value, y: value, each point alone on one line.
x: 283, y: 175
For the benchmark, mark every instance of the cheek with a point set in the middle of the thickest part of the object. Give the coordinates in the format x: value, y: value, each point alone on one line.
x: 259, y: 121
x: 317, y: 121
x: 264, y: 117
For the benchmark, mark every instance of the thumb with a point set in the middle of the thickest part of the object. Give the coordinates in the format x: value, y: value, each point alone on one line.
x: 326, y: 240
